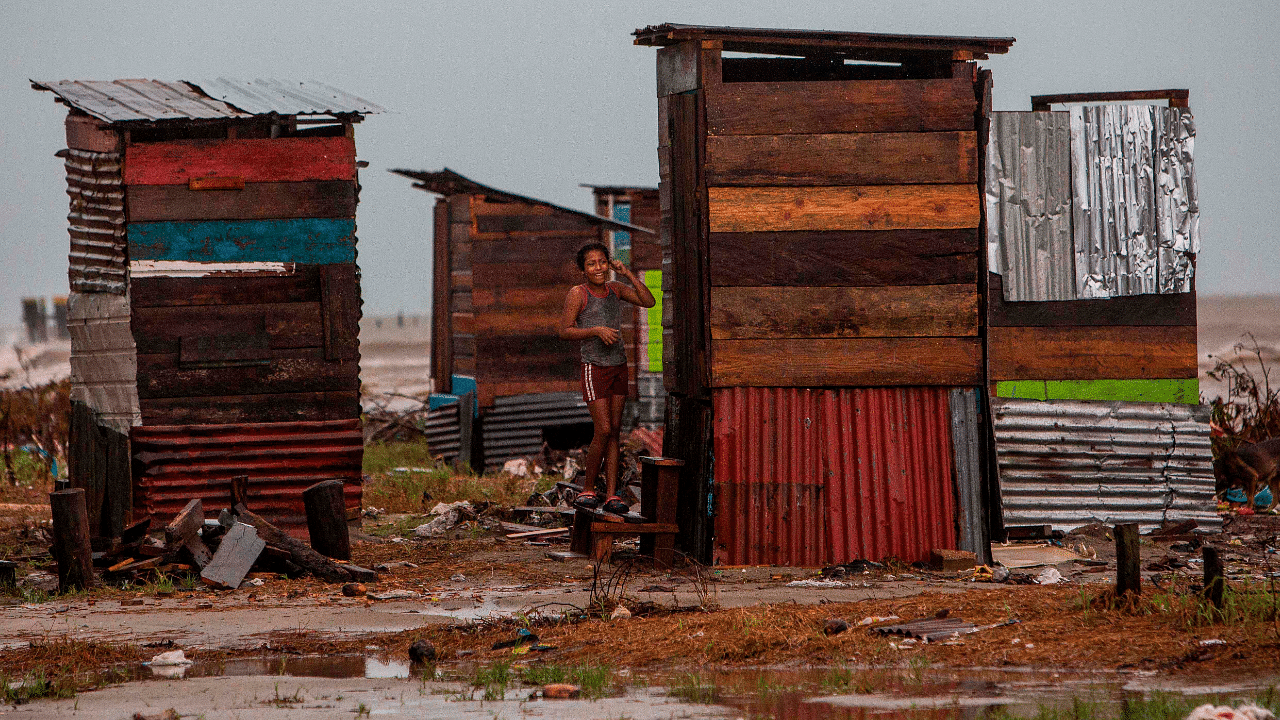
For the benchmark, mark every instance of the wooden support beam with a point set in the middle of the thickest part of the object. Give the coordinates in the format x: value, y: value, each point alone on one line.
x: 299, y: 554
x: 1128, y: 565
x: 1177, y: 97
x: 184, y: 531
x: 327, y: 519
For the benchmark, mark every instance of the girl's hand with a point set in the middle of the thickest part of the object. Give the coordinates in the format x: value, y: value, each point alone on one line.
x: 607, y: 335
x: 619, y: 268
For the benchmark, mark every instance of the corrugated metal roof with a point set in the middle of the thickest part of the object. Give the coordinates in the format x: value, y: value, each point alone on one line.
x: 264, y: 96
x: 777, y: 40
x: 141, y: 100
x: 181, y: 462
x: 812, y: 477
x: 1028, y: 199
x: 1070, y: 463
x: 96, y: 222
x: 447, y: 182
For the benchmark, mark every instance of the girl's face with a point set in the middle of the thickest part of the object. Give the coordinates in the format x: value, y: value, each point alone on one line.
x: 596, y: 267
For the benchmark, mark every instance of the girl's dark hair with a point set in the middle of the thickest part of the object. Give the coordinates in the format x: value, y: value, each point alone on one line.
x: 582, y: 254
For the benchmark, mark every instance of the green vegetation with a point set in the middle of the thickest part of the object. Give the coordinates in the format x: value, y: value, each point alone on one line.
x: 1244, y: 603
x: 405, y: 478
x: 596, y: 681
x: 493, y: 679
x: 693, y: 687
x: 35, y: 685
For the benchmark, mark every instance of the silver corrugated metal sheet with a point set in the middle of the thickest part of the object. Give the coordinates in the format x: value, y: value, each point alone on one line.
x: 221, y: 98
x: 138, y: 100
x: 285, y: 97
x: 1177, y: 203
x: 1112, y: 149
x: 513, y: 426
x: 442, y: 432
x: 96, y: 222
x: 1028, y: 198
x: 967, y: 434
x: 1070, y: 463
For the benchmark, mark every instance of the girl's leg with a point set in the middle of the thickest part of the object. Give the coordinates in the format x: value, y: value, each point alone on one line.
x: 616, y: 403
x: 599, y: 410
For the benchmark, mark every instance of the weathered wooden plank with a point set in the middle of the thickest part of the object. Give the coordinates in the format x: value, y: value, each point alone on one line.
x: 303, y: 286
x: 518, y: 298
x: 854, y: 258
x: 834, y: 312
x: 295, y: 370
x: 258, y: 160
x: 1088, y: 353
x: 213, y: 350
x: 490, y: 390
x: 238, y: 550
x: 91, y: 134
x: 340, y: 309
x: 441, y: 351
x: 864, y: 207
x: 310, y: 560
x: 464, y: 323
x: 1173, y: 309
x: 302, y: 240
x: 846, y: 361
x: 235, y: 409
x: 544, y: 321
x: 526, y: 274
x: 184, y: 530
x: 285, y: 325
x: 678, y: 68
x: 843, y: 159
x: 322, y: 199
x: 556, y: 249
x: 535, y: 224
x: 851, y: 106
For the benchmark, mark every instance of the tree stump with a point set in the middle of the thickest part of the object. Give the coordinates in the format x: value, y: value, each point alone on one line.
x: 71, y: 539
x: 327, y: 519
x: 1128, y: 561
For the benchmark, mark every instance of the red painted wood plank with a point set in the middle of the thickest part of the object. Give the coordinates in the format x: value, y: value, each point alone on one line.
x: 255, y: 160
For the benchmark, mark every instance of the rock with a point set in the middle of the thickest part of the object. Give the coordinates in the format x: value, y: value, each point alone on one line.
x: 204, y: 605
x: 422, y: 651
x: 999, y: 574
x: 394, y: 595
x: 458, y: 578
x: 951, y: 560
x: 397, y: 565
x: 354, y: 589
x: 620, y: 613
x: 359, y: 574
x: 560, y: 691
x: 834, y: 626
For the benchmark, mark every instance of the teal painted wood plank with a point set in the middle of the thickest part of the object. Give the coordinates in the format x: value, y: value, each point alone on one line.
x: 1185, y: 391
x: 305, y: 240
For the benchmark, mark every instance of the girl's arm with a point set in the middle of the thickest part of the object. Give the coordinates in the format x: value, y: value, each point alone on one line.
x: 569, y: 319
x: 638, y: 293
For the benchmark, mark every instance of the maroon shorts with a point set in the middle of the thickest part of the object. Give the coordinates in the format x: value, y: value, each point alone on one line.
x: 599, y: 381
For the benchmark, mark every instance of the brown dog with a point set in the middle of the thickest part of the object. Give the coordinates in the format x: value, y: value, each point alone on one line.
x: 1252, y: 466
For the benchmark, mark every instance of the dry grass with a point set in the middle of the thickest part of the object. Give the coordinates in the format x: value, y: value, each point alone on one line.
x: 59, y: 667
x: 404, y: 478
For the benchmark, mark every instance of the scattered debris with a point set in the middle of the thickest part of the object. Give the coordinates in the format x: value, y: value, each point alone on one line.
x: 620, y: 613
x: 354, y: 589
x: 173, y: 657
x: 237, y: 552
x: 422, y: 651
x: 872, y: 620
x: 853, y: 567
x: 394, y: 595
x: 1049, y: 576
x: 523, y: 637
x: 1226, y: 712
x: 951, y: 560
x: 817, y: 584
x: 564, y: 691
x: 447, y: 517
x: 834, y: 626
x: 935, y: 629
x: 397, y: 565
x: 170, y: 714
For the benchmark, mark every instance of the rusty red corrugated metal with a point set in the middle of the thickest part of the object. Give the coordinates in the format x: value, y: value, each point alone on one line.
x: 175, y: 463
x: 817, y: 476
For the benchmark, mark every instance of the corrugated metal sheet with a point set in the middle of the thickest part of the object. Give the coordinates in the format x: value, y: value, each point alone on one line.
x: 1069, y: 463
x: 218, y: 99
x: 816, y: 476
x: 285, y: 97
x: 138, y: 100
x: 1112, y: 157
x: 513, y: 426
x: 96, y: 222
x: 175, y: 463
x: 442, y: 432
x: 1028, y: 200
x: 1177, y: 203
x: 104, y: 360
x: 967, y: 435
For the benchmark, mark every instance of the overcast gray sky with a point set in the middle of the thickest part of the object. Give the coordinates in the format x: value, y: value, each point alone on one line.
x: 537, y: 97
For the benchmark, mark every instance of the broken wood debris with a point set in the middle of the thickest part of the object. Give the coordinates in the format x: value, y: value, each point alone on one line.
x: 236, y: 554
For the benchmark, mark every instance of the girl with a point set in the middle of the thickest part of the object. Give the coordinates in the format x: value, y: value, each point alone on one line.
x: 593, y: 315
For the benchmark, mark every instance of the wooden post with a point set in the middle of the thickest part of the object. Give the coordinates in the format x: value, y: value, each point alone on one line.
x: 71, y: 539
x: 1214, y: 582
x: 1128, y: 565
x: 327, y: 519
x: 240, y: 490
x: 8, y: 575
x: 466, y: 427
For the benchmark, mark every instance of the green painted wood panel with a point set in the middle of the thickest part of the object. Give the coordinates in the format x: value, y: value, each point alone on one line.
x: 317, y: 241
x: 1186, y: 391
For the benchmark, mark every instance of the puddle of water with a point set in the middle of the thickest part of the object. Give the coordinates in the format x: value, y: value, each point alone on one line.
x: 325, y: 666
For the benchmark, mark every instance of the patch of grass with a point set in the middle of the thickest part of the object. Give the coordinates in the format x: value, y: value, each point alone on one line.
x: 35, y: 685
x: 423, y: 483
x: 694, y: 688
x: 596, y: 681
x: 493, y: 679
x: 383, y: 457
x: 1243, y: 603
x: 1160, y: 706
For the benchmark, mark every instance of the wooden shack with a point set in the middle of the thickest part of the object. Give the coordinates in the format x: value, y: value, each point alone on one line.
x: 643, y: 254
x: 842, y: 322
x: 215, y: 297
x: 502, y: 265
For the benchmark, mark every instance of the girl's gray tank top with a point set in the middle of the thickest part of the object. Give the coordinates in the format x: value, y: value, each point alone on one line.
x: 607, y: 312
